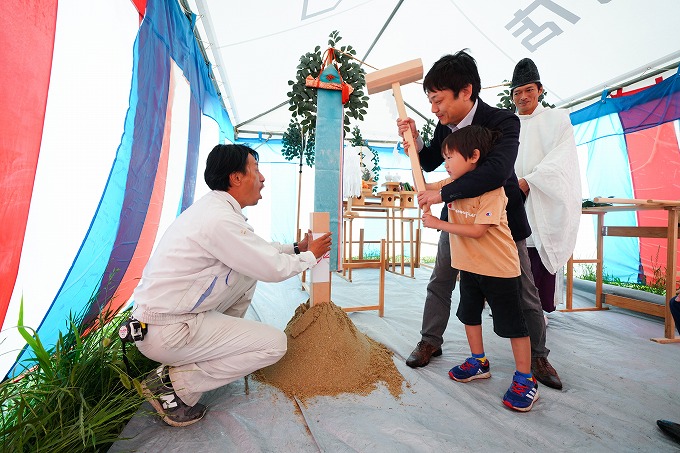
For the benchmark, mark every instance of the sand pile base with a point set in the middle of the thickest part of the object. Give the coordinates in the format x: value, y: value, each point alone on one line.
x: 327, y: 355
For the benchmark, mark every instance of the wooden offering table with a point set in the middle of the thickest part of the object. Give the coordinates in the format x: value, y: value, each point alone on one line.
x: 669, y: 232
x: 400, y: 233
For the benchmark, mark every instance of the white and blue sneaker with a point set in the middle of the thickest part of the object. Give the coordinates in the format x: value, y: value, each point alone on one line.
x: 522, y: 394
x: 470, y: 369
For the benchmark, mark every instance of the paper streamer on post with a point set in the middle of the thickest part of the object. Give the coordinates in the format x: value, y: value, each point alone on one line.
x: 328, y: 158
x: 351, y: 172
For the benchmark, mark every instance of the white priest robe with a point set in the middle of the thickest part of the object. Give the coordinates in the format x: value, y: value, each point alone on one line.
x: 548, y: 161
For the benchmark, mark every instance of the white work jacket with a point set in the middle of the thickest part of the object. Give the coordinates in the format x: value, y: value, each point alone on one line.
x: 202, y: 255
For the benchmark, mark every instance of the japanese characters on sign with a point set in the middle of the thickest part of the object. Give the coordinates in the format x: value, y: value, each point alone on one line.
x: 540, y: 33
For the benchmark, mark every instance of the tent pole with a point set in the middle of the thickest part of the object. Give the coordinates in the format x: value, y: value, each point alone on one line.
x: 261, y: 114
x: 387, y: 22
x: 299, y: 194
x: 621, y: 82
x: 188, y: 13
x: 220, y: 66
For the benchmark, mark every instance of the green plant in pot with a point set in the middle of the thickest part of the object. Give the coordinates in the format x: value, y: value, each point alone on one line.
x: 369, y: 175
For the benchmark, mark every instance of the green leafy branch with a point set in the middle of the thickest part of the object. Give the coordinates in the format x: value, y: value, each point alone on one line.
x: 303, y: 99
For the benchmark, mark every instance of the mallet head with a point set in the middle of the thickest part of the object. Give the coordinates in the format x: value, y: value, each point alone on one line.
x: 402, y: 73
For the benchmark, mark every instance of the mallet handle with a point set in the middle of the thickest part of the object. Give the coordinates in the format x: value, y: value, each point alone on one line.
x: 418, y: 179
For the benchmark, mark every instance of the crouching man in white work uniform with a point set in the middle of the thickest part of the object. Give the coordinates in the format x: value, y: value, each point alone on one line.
x: 198, y: 284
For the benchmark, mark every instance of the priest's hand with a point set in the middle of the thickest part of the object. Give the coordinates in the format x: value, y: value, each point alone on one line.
x: 524, y: 186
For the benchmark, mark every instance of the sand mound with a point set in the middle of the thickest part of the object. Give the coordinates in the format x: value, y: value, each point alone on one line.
x: 327, y: 355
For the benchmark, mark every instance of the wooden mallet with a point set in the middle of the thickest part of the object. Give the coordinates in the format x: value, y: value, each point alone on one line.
x: 393, y: 77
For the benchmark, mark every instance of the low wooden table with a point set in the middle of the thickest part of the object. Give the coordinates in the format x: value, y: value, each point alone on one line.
x: 670, y: 233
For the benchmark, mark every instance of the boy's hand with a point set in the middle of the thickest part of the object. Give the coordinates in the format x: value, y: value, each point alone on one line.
x: 430, y: 221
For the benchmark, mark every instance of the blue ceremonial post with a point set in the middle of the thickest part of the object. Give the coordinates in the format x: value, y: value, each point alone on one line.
x: 328, y: 152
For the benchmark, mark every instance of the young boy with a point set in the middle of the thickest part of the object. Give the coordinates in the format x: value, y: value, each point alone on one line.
x: 483, y: 250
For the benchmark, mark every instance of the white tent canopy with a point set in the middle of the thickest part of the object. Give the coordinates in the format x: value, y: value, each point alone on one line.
x: 580, y: 47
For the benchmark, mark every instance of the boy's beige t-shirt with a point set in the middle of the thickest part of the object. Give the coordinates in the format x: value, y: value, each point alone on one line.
x: 495, y: 253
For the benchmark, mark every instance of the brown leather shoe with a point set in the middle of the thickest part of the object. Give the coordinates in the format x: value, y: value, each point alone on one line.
x: 545, y: 373
x: 422, y: 353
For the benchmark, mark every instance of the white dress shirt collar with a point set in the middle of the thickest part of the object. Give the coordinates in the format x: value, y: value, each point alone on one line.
x: 467, y: 120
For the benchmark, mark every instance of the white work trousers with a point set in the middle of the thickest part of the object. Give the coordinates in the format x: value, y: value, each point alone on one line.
x: 214, y: 348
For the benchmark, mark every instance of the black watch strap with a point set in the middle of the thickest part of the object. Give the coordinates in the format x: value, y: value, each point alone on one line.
x: 296, y: 248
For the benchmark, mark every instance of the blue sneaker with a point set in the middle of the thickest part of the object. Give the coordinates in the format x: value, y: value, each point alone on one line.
x: 469, y: 370
x: 522, y: 394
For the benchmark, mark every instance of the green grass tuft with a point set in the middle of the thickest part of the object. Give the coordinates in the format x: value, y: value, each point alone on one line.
x: 76, y: 396
x: 587, y: 272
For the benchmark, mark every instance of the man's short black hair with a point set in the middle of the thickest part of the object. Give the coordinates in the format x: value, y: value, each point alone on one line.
x: 454, y: 72
x: 465, y: 140
x: 224, y: 160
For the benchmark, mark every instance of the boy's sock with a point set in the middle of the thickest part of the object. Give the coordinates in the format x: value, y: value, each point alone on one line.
x: 481, y: 358
x: 525, y: 375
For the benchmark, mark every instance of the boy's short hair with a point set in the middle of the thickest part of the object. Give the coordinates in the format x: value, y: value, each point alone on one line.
x: 224, y: 160
x: 465, y: 140
x: 454, y: 72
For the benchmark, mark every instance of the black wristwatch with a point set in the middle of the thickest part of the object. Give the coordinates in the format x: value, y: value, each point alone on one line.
x: 296, y: 248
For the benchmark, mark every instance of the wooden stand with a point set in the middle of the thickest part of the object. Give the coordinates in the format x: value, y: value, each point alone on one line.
x: 670, y: 233
x: 375, y: 264
x: 598, y: 269
x: 394, y: 217
x: 320, y: 288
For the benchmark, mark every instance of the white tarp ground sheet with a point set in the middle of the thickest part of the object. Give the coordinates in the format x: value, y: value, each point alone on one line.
x: 617, y: 383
